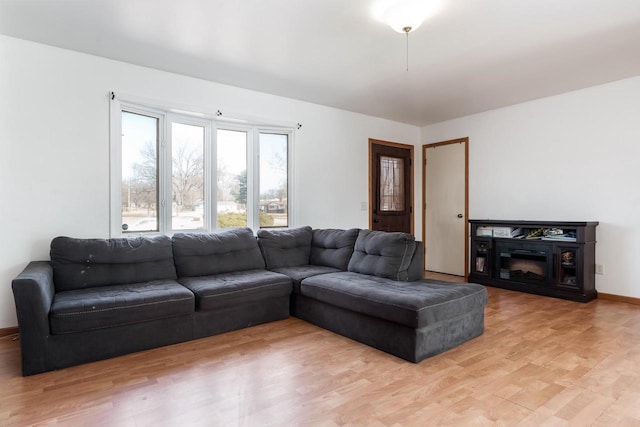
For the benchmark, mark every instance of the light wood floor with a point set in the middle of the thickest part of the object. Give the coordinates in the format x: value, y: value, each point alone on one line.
x: 441, y: 276
x: 541, y: 361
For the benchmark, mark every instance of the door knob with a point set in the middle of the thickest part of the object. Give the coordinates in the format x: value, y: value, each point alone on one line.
x: 376, y: 221
x: 460, y: 215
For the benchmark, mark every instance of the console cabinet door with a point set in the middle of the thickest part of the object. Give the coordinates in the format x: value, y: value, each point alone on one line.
x: 481, y: 259
x: 568, y: 268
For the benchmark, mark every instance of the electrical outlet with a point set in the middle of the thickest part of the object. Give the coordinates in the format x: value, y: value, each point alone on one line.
x: 364, y: 206
x: 599, y: 269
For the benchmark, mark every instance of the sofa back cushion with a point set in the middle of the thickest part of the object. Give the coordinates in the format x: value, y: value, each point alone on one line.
x: 285, y: 248
x: 333, y: 248
x: 206, y: 254
x: 85, y: 263
x: 383, y: 254
x: 416, y: 268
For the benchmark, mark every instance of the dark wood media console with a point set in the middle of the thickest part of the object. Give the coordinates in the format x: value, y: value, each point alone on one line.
x: 549, y: 258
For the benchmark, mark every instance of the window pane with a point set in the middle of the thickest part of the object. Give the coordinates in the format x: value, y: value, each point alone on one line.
x: 274, y: 210
x: 391, y: 184
x: 139, y: 172
x: 232, y: 178
x: 187, y: 177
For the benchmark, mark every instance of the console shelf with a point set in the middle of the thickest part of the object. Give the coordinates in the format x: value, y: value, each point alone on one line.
x: 549, y: 258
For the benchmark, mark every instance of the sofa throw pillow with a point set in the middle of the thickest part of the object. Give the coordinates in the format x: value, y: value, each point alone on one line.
x: 383, y: 254
x: 333, y: 248
x: 206, y: 254
x: 85, y: 263
x: 285, y: 248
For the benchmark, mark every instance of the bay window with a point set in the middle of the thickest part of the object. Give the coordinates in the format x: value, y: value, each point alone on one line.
x: 175, y: 172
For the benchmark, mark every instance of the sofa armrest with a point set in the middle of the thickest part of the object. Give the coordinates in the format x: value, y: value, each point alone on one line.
x: 33, y: 292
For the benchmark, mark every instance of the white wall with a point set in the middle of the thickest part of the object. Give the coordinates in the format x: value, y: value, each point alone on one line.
x: 54, y: 152
x: 570, y: 157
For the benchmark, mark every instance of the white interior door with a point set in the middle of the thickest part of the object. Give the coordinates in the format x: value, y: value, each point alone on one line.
x: 445, y: 221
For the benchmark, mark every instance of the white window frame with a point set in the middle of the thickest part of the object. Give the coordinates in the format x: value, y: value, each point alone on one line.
x: 115, y: 217
x: 276, y: 131
x: 209, y: 177
x: 211, y: 123
x: 251, y: 166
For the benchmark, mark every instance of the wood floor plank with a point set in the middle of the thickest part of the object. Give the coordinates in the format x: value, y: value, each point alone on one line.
x: 541, y: 361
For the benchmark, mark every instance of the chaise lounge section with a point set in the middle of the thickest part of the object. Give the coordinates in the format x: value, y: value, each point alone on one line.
x: 380, y: 300
x: 100, y: 298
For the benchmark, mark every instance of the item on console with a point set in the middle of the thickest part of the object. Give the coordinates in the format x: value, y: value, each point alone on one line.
x: 567, y: 257
x: 535, y: 233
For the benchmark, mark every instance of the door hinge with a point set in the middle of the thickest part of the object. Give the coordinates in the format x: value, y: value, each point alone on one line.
x: 410, y: 209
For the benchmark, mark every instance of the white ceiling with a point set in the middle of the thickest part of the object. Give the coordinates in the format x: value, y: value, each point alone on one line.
x: 474, y: 55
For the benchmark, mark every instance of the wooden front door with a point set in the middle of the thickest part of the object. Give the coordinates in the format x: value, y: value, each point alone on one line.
x: 391, y: 186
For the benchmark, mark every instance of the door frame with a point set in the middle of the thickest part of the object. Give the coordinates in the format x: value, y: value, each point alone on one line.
x: 464, y: 141
x: 372, y: 142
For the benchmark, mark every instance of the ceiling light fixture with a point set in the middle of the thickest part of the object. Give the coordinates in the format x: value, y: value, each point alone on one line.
x: 405, y: 16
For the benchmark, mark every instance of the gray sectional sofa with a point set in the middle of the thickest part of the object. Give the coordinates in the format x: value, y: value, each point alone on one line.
x: 100, y: 298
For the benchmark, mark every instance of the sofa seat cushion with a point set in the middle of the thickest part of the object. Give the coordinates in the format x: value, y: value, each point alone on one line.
x: 241, y: 287
x: 298, y: 274
x: 106, y: 306
x: 414, y: 304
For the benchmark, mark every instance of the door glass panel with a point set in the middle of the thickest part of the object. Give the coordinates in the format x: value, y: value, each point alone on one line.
x: 187, y: 177
x: 391, y: 184
x: 139, y: 172
x: 232, y: 178
x: 274, y: 207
